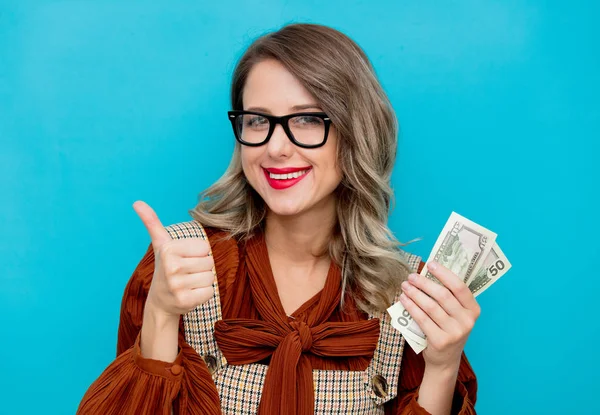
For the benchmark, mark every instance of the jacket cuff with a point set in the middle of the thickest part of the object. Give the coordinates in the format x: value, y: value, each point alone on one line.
x: 170, y: 370
x: 409, y: 405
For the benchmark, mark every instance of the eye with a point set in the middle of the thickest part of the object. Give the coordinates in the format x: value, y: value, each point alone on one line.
x: 255, y: 121
x: 307, y: 121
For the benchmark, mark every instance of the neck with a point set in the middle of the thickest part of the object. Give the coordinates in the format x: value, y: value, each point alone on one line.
x: 302, y: 238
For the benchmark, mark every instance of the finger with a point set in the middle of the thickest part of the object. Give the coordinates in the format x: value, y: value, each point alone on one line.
x: 196, y: 265
x: 426, y: 324
x: 158, y: 234
x: 198, y: 296
x: 454, y: 284
x: 441, y: 294
x: 428, y: 305
x: 192, y: 281
x: 188, y: 248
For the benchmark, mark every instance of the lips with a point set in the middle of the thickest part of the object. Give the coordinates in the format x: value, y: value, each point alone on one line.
x: 285, y: 170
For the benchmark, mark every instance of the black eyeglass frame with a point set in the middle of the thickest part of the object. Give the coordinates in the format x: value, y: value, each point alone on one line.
x: 283, y: 120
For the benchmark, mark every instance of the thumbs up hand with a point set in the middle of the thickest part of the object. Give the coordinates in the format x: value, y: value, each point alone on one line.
x: 183, y: 270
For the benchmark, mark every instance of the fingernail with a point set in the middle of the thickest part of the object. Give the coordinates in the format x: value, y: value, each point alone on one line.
x: 405, y: 285
x: 412, y: 277
x: 432, y: 265
x: 402, y: 297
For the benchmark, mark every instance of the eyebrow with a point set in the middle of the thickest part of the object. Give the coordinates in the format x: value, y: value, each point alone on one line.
x: 294, y: 108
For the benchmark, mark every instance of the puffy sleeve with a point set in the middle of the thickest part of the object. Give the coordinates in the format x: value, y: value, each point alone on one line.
x: 132, y: 384
x: 411, y: 375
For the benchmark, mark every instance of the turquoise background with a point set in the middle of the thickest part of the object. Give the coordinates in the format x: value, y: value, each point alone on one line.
x: 103, y: 103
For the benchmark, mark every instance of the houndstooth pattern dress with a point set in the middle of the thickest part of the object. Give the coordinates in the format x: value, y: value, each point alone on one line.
x: 336, y: 391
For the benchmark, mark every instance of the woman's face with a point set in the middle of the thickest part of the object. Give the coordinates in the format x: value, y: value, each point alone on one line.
x: 270, y: 88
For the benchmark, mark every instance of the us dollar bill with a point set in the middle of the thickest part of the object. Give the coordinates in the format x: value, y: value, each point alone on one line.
x: 462, y: 247
x: 495, y: 266
x: 403, y: 322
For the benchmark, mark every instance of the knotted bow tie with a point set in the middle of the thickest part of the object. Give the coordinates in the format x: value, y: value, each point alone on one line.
x: 288, y: 386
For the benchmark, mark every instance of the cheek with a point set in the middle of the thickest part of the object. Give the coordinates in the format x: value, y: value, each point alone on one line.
x: 334, y: 171
x: 244, y: 155
x: 251, y: 160
x: 338, y: 175
x: 334, y: 162
x: 248, y: 158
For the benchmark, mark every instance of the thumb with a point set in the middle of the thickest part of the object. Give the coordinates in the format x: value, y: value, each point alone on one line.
x: 158, y: 234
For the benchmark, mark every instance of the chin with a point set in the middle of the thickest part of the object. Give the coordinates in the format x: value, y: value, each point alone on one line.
x: 284, y: 209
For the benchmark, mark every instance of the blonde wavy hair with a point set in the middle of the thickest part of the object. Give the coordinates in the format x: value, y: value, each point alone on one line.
x: 336, y: 71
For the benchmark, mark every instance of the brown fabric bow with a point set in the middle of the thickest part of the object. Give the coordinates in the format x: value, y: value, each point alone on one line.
x: 288, y: 386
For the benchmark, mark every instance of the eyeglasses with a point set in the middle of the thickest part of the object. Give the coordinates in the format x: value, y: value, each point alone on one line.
x: 305, y: 129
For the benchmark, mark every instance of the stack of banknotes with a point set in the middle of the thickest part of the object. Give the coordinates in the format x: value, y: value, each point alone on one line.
x: 468, y: 250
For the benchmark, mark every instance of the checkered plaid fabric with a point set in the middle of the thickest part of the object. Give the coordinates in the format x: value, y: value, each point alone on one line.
x: 336, y: 391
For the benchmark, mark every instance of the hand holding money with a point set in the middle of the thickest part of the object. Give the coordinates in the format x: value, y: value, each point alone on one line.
x: 446, y: 312
x: 467, y: 250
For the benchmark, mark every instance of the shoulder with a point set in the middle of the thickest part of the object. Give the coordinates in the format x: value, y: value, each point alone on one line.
x: 414, y: 262
x: 218, y: 239
x: 189, y: 229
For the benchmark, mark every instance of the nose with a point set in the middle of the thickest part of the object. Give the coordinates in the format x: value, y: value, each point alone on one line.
x: 279, y: 144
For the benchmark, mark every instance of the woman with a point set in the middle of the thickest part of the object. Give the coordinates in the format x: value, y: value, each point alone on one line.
x: 296, y: 231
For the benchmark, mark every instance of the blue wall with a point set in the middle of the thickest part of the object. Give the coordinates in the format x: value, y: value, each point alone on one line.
x: 104, y: 103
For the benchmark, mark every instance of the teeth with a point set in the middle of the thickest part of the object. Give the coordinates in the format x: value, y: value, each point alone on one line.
x: 287, y: 176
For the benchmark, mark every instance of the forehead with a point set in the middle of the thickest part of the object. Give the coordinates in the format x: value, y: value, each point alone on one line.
x: 271, y: 86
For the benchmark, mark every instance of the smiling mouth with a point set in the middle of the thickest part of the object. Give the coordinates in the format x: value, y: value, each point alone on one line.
x: 280, y: 181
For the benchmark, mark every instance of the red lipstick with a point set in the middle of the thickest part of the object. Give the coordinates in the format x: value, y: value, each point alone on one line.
x: 285, y: 170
